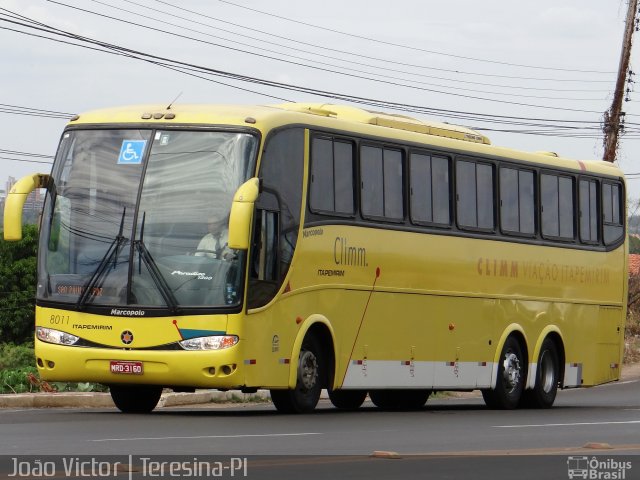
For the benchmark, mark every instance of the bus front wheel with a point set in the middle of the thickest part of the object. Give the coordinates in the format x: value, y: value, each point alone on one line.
x: 511, y: 378
x: 135, y: 398
x: 311, y: 374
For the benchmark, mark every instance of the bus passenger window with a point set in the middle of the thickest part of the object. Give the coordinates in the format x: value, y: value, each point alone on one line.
x: 321, y: 188
x: 474, y: 188
x: 331, y: 187
x: 556, y: 198
x: 382, y: 180
x: 588, y: 211
x: 517, y: 209
x: 429, y: 192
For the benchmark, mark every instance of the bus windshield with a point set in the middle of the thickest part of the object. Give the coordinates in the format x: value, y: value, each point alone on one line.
x: 128, y: 212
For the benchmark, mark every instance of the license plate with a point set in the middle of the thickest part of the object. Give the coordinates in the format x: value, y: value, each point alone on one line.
x: 126, y: 368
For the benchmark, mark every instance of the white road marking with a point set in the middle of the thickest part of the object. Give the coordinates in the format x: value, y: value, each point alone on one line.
x: 206, y: 436
x: 566, y: 424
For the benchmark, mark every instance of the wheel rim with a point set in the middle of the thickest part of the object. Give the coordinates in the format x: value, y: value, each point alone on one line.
x: 308, y: 371
x: 547, y: 372
x: 512, y: 371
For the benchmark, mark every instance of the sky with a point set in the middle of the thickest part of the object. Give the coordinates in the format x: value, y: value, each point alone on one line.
x: 548, y: 63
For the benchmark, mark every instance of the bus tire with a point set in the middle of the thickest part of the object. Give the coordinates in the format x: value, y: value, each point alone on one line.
x: 135, y: 398
x: 311, y: 374
x: 511, y: 378
x: 545, y: 389
x: 399, y: 399
x: 347, y: 399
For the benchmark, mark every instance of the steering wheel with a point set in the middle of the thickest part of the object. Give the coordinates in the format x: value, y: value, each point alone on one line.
x: 206, y: 253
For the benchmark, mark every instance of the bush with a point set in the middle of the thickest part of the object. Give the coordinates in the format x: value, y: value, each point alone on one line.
x: 16, y: 380
x: 18, y: 286
x: 18, y: 373
x: 16, y: 356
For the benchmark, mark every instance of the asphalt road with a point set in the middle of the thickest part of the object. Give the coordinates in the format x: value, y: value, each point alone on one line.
x: 449, y: 438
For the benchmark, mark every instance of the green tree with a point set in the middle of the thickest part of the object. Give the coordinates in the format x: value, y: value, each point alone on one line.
x: 17, y: 287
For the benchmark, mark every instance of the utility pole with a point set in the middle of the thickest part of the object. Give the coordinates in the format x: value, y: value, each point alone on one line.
x: 612, y: 117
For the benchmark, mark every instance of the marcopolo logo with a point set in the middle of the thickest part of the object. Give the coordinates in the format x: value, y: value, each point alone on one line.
x: 128, y: 313
x: 595, y: 468
x: 126, y: 337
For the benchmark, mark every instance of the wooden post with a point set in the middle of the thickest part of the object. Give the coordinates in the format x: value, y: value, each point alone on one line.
x: 612, y: 116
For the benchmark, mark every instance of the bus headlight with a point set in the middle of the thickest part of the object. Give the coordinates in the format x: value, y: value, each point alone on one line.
x: 215, y: 342
x: 50, y: 335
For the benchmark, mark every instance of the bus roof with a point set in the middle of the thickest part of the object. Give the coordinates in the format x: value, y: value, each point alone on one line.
x: 336, y: 117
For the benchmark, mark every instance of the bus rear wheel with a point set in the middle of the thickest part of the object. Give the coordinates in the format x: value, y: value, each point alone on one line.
x: 347, y: 399
x: 135, y: 398
x: 399, y: 399
x: 545, y: 389
x: 511, y: 378
x: 311, y: 374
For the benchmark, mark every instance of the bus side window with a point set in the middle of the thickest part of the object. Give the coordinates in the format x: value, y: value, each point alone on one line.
x: 277, y: 217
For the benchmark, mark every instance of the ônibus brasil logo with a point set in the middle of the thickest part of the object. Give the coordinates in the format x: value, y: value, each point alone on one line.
x: 595, y: 468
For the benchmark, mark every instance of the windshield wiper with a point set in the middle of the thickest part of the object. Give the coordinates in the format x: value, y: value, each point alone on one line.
x: 145, y: 256
x: 112, y: 252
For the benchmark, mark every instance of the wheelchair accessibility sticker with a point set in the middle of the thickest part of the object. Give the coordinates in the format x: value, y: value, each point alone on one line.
x: 131, y: 152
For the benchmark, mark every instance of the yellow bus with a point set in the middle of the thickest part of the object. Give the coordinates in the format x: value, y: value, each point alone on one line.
x: 302, y: 247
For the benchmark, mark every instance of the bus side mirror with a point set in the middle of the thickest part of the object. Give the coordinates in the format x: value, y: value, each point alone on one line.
x: 15, y: 202
x: 242, y: 214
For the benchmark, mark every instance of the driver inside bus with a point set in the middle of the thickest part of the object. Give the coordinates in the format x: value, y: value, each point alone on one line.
x: 214, y: 244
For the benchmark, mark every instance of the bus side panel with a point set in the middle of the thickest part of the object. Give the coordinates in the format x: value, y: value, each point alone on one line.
x: 610, y: 334
x: 272, y: 330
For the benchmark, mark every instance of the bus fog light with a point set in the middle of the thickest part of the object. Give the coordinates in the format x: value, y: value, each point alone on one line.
x: 50, y: 335
x: 215, y: 342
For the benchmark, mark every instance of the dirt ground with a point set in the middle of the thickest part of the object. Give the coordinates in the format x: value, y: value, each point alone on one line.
x: 630, y: 371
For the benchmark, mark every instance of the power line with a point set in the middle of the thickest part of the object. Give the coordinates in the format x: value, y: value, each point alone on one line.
x: 104, y: 49
x: 15, y: 157
x: 131, y: 52
x: 25, y: 154
x: 189, y: 69
x: 30, y: 112
x: 298, y: 58
x: 164, y: 22
x: 385, y: 61
x: 325, y: 28
x: 35, y: 110
x: 24, y: 160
